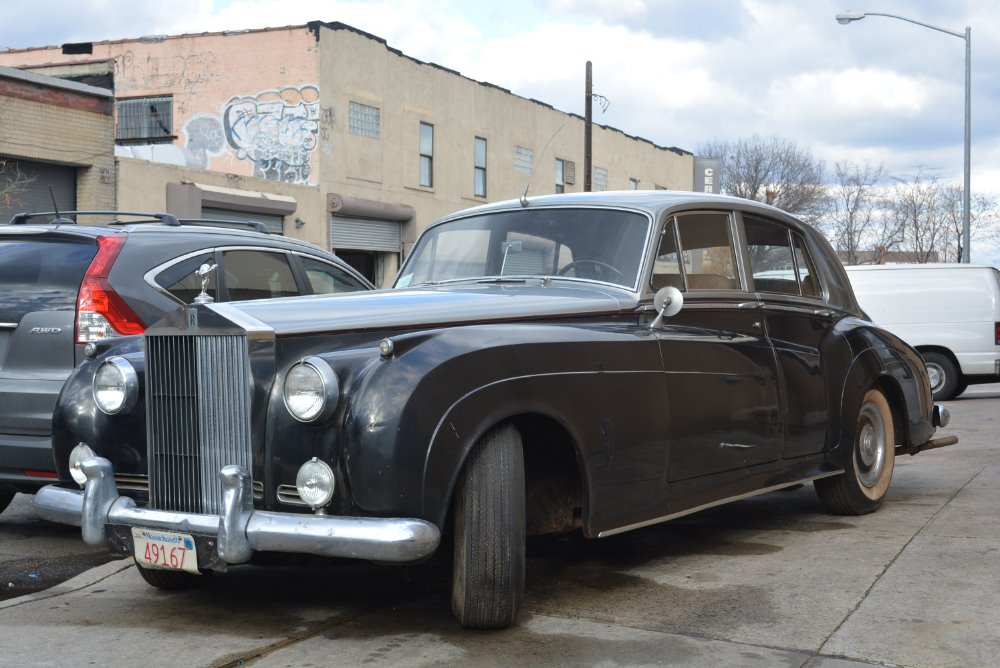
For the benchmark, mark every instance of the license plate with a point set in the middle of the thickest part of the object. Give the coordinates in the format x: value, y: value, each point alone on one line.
x: 165, y: 550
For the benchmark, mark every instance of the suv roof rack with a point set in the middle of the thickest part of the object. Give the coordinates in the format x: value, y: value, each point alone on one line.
x: 254, y: 225
x: 60, y: 217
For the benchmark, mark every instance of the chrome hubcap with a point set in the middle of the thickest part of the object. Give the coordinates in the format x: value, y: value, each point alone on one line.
x: 936, y: 376
x: 871, y: 450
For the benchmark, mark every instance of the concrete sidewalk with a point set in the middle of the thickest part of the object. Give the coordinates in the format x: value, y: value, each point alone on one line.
x: 765, y: 582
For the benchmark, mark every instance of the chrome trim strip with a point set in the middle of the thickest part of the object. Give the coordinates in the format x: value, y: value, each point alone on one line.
x: 689, y: 511
x: 8, y: 325
x: 239, y: 530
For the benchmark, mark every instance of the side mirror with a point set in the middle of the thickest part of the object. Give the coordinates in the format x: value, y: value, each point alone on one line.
x: 668, y: 302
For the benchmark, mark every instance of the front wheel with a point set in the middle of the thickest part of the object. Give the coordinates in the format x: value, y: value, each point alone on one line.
x: 862, y: 487
x: 488, y: 571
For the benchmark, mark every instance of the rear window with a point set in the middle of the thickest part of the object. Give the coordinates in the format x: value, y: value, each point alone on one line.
x: 41, y: 275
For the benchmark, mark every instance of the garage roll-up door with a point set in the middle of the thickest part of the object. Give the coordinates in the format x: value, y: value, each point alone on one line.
x: 274, y: 223
x: 365, y: 234
x: 36, y: 195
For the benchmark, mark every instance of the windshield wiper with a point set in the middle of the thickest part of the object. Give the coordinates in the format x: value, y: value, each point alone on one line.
x: 502, y: 279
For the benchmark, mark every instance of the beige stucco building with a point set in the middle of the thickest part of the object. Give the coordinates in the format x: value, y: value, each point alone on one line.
x: 328, y: 134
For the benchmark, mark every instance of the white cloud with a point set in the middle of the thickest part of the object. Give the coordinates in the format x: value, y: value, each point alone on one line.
x: 677, y: 72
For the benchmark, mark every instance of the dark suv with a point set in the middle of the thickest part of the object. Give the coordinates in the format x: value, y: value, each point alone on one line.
x: 64, y: 284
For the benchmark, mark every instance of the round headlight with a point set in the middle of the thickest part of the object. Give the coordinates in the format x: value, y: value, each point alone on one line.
x: 116, y: 386
x: 76, y: 457
x: 315, y: 483
x: 311, y: 390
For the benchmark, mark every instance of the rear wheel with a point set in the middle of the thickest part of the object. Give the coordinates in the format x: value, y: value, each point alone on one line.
x: 171, y: 580
x: 488, y: 570
x: 6, y: 496
x: 944, y: 375
x: 862, y: 487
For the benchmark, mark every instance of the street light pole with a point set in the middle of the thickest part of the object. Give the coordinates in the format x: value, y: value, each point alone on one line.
x: 849, y: 17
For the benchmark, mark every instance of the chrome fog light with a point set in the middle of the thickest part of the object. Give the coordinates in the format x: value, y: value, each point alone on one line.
x: 311, y: 390
x: 77, y: 456
x: 315, y: 483
x: 116, y: 386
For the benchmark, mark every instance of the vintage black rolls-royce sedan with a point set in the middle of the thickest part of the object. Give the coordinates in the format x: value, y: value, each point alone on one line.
x: 598, y: 361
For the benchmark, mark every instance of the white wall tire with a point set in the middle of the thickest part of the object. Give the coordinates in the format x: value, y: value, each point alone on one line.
x: 862, y: 487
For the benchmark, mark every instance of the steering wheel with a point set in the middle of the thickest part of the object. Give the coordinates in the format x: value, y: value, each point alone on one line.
x: 592, y: 263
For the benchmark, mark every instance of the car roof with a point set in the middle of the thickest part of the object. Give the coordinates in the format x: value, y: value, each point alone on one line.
x: 654, y: 202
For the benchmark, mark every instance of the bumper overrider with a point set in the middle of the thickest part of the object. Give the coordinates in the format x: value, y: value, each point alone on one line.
x: 239, y: 531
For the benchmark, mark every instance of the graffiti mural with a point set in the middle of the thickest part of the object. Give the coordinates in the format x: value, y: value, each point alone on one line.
x: 205, y: 138
x: 276, y: 130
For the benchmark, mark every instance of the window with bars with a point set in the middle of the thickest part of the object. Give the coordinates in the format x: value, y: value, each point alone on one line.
x: 364, y: 120
x: 600, y: 179
x: 426, y: 155
x: 145, y: 120
x: 479, y: 162
x: 523, y: 159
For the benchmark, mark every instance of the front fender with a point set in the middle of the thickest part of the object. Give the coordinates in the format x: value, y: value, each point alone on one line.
x: 76, y: 418
x: 414, y: 417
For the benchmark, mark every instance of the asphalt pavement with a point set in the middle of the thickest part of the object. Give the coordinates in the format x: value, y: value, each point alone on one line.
x: 769, y: 581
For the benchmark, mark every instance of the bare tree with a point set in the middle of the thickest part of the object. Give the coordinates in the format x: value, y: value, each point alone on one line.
x: 854, y: 221
x: 984, y: 221
x: 13, y: 183
x: 914, y: 206
x: 773, y: 170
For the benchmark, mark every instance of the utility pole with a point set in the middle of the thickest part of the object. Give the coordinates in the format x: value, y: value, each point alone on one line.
x: 587, y: 129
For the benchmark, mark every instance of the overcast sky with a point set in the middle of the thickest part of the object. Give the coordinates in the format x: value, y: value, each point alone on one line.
x: 676, y: 72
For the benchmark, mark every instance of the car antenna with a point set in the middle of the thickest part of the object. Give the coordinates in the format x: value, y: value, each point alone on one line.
x: 524, y: 195
x: 59, y: 220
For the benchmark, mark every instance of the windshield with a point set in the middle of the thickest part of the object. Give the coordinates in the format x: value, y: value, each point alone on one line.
x: 591, y: 244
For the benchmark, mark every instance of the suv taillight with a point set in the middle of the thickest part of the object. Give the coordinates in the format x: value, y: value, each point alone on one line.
x: 996, y: 333
x: 101, y: 313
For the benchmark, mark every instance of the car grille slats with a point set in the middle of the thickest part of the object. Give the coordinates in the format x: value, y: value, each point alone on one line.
x: 198, y: 418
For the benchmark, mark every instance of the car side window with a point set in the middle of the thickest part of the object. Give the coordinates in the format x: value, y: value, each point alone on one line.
x: 254, y: 274
x: 771, y: 262
x: 179, y: 279
x: 667, y: 265
x: 700, y: 250
x: 325, y: 278
x: 808, y: 277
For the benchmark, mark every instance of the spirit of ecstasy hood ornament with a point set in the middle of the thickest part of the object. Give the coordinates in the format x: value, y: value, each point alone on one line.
x: 203, y: 273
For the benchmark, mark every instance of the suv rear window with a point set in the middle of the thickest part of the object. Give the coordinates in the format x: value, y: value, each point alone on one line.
x: 41, y: 275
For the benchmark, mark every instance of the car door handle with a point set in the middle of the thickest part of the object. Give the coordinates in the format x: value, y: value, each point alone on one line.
x: 823, y: 313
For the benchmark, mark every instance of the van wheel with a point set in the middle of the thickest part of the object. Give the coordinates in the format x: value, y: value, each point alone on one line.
x: 488, y: 571
x: 862, y: 487
x: 172, y: 580
x: 944, y: 375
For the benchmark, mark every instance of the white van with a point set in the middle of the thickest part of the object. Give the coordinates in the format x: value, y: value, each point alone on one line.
x: 949, y: 312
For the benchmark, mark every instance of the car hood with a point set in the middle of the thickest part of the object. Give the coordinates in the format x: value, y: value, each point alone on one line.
x: 431, y: 306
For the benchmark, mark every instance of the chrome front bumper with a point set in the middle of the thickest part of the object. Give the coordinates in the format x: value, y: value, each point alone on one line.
x: 240, y: 530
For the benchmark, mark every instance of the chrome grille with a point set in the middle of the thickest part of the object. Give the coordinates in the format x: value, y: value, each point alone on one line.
x: 197, y: 418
